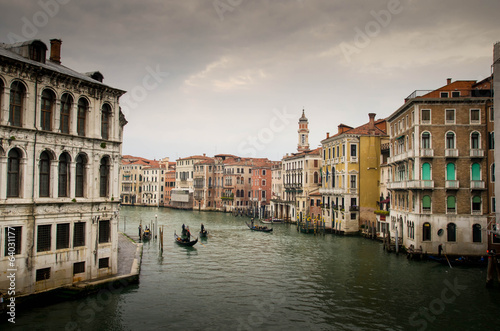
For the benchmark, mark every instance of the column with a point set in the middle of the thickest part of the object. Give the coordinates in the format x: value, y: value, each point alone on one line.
x: 54, y: 179
x: 72, y: 179
x: 3, y: 177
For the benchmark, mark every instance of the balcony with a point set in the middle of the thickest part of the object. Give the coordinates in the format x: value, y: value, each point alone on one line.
x: 452, y: 184
x: 397, y: 185
x: 421, y: 184
x: 477, y: 185
x: 339, y: 190
x: 353, y: 208
x: 476, y: 152
x: 451, y: 152
x: 353, y: 190
x: 426, y: 152
x: 326, y: 191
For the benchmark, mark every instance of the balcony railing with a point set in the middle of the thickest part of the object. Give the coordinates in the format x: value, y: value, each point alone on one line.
x: 326, y: 191
x: 477, y: 185
x: 452, y: 184
x: 451, y: 152
x: 421, y: 184
x: 426, y: 152
x: 476, y: 152
x: 397, y: 185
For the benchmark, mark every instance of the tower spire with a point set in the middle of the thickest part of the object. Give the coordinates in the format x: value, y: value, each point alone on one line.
x: 303, y: 133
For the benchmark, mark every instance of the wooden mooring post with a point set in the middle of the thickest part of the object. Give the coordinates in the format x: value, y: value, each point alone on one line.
x: 492, y: 268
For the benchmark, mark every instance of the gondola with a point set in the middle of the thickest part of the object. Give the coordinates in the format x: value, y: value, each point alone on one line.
x: 146, y: 235
x: 203, y: 234
x: 184, y: 242
x: 460, y: 261
x: 259, y: 228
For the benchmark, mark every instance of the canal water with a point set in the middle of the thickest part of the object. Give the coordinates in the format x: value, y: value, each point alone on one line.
x: 239, y: 279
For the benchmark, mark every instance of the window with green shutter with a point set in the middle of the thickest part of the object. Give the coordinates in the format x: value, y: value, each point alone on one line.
x: 426, y: 171
x: 476, y: 171
x: 450, y: 171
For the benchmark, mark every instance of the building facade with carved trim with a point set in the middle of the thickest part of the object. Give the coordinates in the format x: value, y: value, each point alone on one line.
x: 60, y: 151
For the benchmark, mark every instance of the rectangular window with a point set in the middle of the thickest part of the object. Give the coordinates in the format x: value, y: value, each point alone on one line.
x: 426, y: 116
x: 43, y: 241
x: 263, y: 194
x: 354, y: 150
x: 13, y: 240
x: 104, y: 263
x: 78, y: 267
x: 455, y: 94
x: 450, y: 116
x: 353, y: 181
x: 474, y: 116
x: 42, y: 274
x: 104, y: 231
x: 353, y: 216
x: 443, y: 94
x: 62, y: 236
x: 79, y: 234
x: 492, y: 115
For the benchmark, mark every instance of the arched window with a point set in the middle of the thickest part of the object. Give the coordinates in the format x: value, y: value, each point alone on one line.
x: 451, y: 231
x: 63, y: 186
x: 426, y: 203
x: 316, y: 178
x: 47, y: 106
x: 474, y: 140
x: 426, y: 231
x: 44, y: 183
x: 451, y: 204
x: 83, y: 107
x: 476, y: 203
x: 14, y: 173
x: 80, y: 176
x: 426, y: 171
x: 476, y: 171
x: 450, y: 140
x: 17, y: 93
x: 66, y: 103
x: 476, y: 233
x: 450, y: 171
x: 105, y: 118
x: 104, y: 177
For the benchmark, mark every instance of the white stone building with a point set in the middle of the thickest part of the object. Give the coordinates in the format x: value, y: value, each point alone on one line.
x: 60, y: 147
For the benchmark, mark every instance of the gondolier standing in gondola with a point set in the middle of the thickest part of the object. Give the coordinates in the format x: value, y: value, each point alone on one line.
x: 188, y: 233
x: 251, y: 220
x: 202, y: 228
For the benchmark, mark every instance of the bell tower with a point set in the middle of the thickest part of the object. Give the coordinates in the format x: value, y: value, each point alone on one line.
x: 303, y: 133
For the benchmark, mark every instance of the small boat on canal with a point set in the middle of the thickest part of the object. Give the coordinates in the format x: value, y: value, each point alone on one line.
x: 184, y: 241
x: 272, y: 221
x: 146, y: 235
x: 259, y: 228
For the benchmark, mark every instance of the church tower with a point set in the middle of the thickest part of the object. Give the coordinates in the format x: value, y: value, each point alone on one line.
x: 303, y: 133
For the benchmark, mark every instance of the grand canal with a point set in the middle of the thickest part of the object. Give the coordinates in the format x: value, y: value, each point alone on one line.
x: 243, y: 280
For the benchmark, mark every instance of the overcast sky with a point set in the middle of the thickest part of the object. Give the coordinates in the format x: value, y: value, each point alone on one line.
x: 232, y: 76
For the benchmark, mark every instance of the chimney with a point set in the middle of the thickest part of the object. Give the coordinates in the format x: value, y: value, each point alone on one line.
x: 55, y: 50
x: 448, y: 81
x: 327, y: 135
x: 371, y: 124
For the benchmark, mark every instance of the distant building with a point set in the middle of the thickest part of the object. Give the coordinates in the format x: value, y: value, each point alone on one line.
x: 131, y: 177
x: 182, y: 194
x: 300, y: 177
x: 153, y: 177
x: 60, y: 146
x: 169, y: 183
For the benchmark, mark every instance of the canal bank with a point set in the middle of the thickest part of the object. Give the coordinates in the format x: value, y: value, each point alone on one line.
x: 129, y: 262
